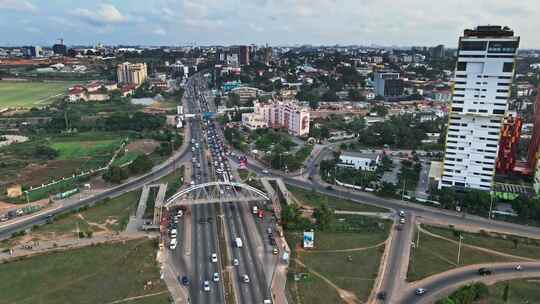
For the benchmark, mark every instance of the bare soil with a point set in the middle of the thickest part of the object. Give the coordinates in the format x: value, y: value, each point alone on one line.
x: 145, y: 146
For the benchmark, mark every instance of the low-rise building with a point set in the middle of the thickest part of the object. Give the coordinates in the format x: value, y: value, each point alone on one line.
x: 359, y: 161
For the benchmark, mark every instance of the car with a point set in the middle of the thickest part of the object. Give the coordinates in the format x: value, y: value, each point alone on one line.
x: 206, y: 286
x: 381, y: 295
x: 214, y: 258
x: 265, y: 171
x: 420, y: 291
x: 267, y: 301
x: 484, y: 271
x: 245, y: 278
x: 215, y: 277
x: 401, y: 213
x: 236, y: 262
x: 275, y: 251
x: 402, y: 220
x: 518, y: 268
x: 329, y: 188
x: 184, y: 280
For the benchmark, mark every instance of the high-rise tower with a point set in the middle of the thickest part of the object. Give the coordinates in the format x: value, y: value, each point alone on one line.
x: 483, y: 75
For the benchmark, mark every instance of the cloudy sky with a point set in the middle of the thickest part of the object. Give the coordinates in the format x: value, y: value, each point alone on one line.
x: 285, y: 22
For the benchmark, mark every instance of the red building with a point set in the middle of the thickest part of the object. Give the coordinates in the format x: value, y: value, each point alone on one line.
x: 508, y: 145
x: 534, y: 145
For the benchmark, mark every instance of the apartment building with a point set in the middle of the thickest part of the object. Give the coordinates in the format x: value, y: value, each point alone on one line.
x: 483, y: 75
x: 131, y: 73
x: 286, y: 115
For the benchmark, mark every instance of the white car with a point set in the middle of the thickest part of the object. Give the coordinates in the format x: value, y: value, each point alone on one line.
x: 214, y: 258
x: 206, y: 286
x: 236, y: 262
x: 215, y: 277
x: 420, y: 291
x: 402, y: 220
x: 245, y: 278
x: 265, y: 171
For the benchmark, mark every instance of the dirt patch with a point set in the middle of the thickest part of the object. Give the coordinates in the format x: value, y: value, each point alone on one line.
x: 145, y: 146
x: 35, y: 175
x: 6, y: 206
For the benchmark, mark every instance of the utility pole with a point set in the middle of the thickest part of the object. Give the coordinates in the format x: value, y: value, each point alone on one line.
x: 417, y: 237
x: 459, y: 249
x: 491, y: 194
x: 403, y: 192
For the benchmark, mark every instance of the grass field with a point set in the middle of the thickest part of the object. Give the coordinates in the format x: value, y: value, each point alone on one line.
x: 524, y: 247
x: 111, y: 215
x: 316, y: 199
x: 437, y: 255
x: 354, y: 270
x: 31, y: 94
x: 97, y: 274
x: 520, y: 291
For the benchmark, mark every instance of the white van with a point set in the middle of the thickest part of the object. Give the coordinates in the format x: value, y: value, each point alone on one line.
x: 238, y: 242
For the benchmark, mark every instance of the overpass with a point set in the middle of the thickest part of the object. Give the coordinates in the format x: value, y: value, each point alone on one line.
x: 216, y: 192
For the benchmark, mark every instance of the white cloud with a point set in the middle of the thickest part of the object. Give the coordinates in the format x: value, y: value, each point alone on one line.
x: 17, y: 5
x: 105, y: 14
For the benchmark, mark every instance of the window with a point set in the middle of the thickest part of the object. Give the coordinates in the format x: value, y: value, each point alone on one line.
x: 461, y: 76
x: 502, y: 91
x: 508, y: 67
x: 499, y: 112
x: 472, y: 45
x: 505, y: 77
x: 461, y: 66
x: 454, y: 109
x: 502, y: 46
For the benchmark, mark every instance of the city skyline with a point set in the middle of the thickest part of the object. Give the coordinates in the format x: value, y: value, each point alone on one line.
x: 287, y: 22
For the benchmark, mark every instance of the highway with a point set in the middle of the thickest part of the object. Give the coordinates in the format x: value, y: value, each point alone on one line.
x: 204, y: 230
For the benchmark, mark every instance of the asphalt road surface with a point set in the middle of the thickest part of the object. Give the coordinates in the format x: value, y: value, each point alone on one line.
x: 442, y: 284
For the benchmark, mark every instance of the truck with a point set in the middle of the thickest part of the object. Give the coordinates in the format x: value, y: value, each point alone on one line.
x: 238, y: 242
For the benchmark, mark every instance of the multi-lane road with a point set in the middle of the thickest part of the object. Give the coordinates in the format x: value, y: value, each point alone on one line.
x: 210, y: 163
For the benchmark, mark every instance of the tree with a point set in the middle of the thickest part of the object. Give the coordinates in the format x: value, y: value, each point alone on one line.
x: 314, y: 104
x: 380, y: 110
x: 324, y: 217
x: 45, y: 152
x: 355, y: 95
x: 115, y: 174
x: 141, y: 164
x: 330, y: 95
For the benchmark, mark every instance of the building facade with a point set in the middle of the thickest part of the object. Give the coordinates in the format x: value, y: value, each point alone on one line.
x: 359, y: 161
x: 483, y: 75
x: 131, y: 73
x: 245, y: 54
x: 387, y: 84
x: 278, y: 115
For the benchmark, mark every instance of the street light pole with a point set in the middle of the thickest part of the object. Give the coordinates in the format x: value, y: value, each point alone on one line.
x: 459, y: 249
x: 490, y: 204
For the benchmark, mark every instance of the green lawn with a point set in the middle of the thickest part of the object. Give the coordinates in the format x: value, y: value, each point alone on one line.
x: 86, y: 145
x: 520, y: 291
x: 316, y: 199
x: 356, y: 275
x: 525, y: 247
x: 31, y: 94
x: 97, y: 274
x: 436, y: 255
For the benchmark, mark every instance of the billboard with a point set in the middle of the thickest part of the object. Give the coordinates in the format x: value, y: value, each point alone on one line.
x: 309, y: 239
